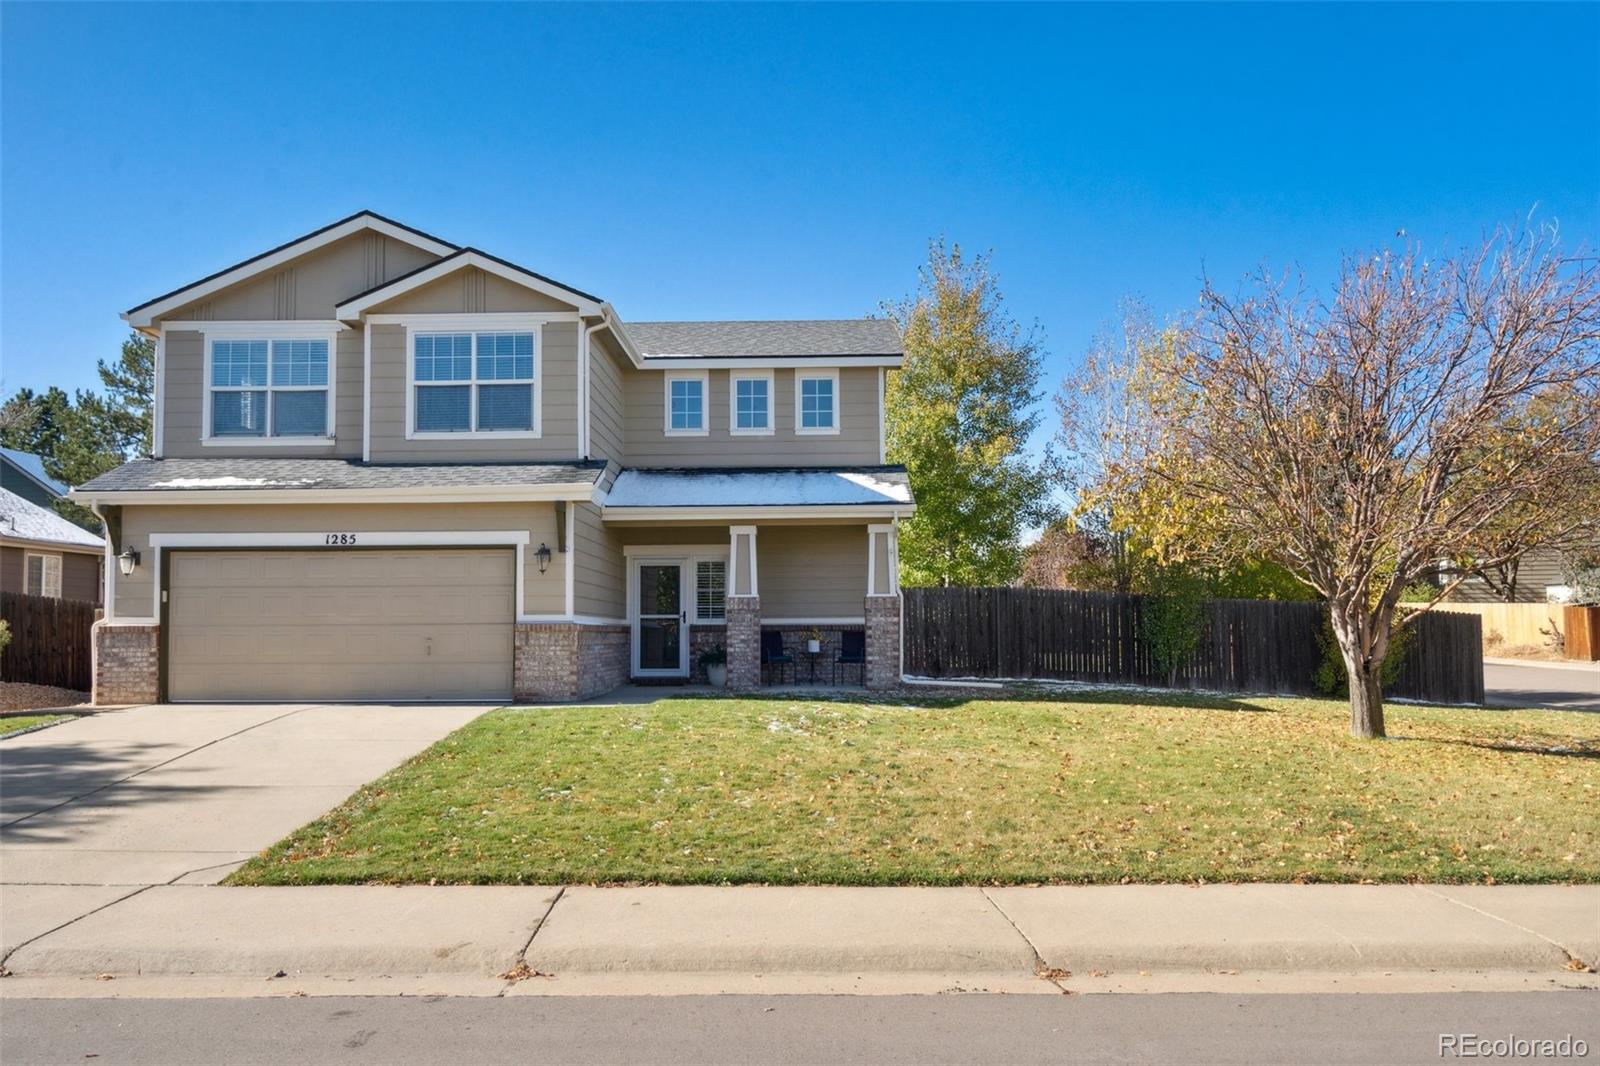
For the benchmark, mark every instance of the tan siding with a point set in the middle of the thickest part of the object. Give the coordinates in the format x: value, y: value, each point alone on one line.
x: 856, y: 444
x: 1539, y: 569
x: 80, y: 577
x: 11, y: 574
x: 312, y: 285
x: 557, y: 398
x: 543, y: 593
x: 601, y: 585
x: 812, y: 571
x: 469, y: 291
x: 184, y: 403
x: 606, y: 400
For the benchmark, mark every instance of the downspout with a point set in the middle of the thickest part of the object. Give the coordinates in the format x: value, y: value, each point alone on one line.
x: 107, y: 564
x: 584, y: 357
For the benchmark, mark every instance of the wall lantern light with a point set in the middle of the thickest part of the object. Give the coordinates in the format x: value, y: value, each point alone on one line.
x: 127, y: 561
x: 543, y: 555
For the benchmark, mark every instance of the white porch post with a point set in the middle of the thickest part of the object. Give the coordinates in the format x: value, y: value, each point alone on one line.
x: 743, y: 609
x: 883, y: 607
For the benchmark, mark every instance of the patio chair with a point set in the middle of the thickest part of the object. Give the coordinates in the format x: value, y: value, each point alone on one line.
x: 772, y: 654
x: 852, y: 652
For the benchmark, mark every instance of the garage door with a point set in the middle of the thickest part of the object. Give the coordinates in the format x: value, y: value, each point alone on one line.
x: 420, y: 624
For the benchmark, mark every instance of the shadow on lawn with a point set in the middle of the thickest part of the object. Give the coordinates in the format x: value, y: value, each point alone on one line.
x: 1580, y: 749
x: 1137, y: 698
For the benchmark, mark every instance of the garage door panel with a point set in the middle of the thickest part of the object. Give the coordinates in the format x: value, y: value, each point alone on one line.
x: 403, y: 624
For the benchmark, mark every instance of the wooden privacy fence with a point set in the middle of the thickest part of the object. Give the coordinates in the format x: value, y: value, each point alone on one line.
x: 1508, y: 625
x: 50, y: 642
x: 1246, y: 645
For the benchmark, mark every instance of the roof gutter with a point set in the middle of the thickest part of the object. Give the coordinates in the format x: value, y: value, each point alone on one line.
x: 586, y: 491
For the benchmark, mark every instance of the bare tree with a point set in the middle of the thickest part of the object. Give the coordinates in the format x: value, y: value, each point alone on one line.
x: 1415, y: 417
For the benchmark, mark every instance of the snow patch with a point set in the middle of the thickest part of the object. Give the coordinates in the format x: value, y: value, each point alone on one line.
x: 230, y: 482
x: 769, y: 488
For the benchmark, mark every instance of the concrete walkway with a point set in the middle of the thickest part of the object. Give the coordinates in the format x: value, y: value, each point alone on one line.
x: 194, y: 939
x: 101, y: 807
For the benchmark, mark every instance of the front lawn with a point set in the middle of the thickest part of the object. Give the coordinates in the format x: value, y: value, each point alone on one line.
x: 816, y: 792
x: 17, y: 723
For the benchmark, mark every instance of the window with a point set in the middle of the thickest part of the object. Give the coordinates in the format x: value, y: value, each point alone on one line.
x: 710, y: 590
x: 269, y: 388
x: 475, y: 383
x: 816, y: 401
x: 686, y: 404
x: 42, y: 575
x: 751, y: 400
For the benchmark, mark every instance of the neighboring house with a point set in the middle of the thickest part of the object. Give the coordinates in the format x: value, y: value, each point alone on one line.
x: 42, y: 553
x: 387, y: 467
x: 1541, y: 575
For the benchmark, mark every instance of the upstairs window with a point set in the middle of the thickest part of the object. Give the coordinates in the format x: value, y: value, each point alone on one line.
x: 751, y: 399
x: 816, y: 401
x: 483, y: 383
x: 269, y: 388
x: 686, y: 404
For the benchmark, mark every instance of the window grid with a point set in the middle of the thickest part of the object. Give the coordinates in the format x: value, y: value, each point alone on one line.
x: 43, y: 576
x: 269, y: 388
x: 687, y: 404
x: 752, y: 404
x: 489, y: 382
x: 816, y: 403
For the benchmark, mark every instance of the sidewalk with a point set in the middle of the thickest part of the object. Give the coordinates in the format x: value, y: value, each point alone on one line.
x: 209, y: 940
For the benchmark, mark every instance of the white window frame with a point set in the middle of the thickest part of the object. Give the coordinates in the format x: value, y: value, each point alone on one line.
x: 736, y: 376
x: 474, y: 325
x: 824, y: 374
x: 45, y: 559
x: 270, y: 331
x: 704, y: 378
x: 694, y: 582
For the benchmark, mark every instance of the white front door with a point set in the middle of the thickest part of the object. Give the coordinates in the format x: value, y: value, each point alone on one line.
x: 660, y: 617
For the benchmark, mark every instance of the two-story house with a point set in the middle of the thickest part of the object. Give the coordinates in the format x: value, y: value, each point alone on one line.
x: 387, y: 467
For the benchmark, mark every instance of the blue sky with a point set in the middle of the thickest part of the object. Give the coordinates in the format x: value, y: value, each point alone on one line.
x: 776, y: 162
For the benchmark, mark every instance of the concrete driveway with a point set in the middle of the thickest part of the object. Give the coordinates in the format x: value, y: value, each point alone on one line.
x: 1560, y: 686
x: 106, y: 805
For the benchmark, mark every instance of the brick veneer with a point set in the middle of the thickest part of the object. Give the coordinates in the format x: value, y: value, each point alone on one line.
x: 564, y: 661
x: 702, y: 638
x: 883, y: 641
x: 744, y: 641
x: 127, y: 661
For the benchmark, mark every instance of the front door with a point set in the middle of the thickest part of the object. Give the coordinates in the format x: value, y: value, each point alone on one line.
x: 660, y: 621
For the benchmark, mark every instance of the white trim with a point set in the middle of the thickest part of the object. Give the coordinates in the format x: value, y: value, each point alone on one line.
x: 883, y: 425
x: 69, y: 547
x: 473, y: 325
x: 776, y: 362
x: 572, y: 559
x: 635, y: 622
x: 438, y: 538
x: 146, y: 314
x: 584, y: 491
x: 657, y: 550
x: 366, y: 392
x: 462, y: 260
x: 842, y: 620
x: 734, y: 377
x: 716, y: 514
x: 254, y: 329
x: 158, y: 417
x: 716, y: 555
x: 704, y: 378
x: 570, y: 619
x: 818, y: 374
x: 734, y: 533
x: 115, y: 622
x: 463, y: 320
x: 269, y: 332
x: 44, y: 573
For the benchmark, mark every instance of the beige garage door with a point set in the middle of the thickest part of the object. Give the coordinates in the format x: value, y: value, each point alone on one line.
x: 423, y: 624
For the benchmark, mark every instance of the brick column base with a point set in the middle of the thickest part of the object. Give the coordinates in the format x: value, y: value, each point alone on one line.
x: 563, y: 661
x: 744, y: 642
x: 883, y: 641
x: 127, y: 662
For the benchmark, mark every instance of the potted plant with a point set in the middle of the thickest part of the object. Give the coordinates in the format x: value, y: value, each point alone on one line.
x: 715, y: 663
x: 814, y: 640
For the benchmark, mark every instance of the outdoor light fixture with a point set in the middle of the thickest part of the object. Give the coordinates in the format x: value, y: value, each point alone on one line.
x: 543, y: 555
x: 127, y: 561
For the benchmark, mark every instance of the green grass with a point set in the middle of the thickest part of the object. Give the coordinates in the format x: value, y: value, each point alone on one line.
x: 1099, y: 789
x: 17, y: 724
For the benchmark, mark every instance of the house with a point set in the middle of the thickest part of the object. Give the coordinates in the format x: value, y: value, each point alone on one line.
x: 388, y: 467
x: 42, y: 553
x: 1540, y: 576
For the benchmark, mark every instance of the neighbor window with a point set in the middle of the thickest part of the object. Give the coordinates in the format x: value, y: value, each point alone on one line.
x: 710, y: 590
x: 752, y: 403
x: 816, y: 400
x: 686, y: 404
x: 269, y: 388
x: 43, y: 575
x: 475, y: 382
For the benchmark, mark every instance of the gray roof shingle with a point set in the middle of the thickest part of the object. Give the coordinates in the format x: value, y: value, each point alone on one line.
x: 766, y: 340
x: 22, y: 519
x: 200, y: 475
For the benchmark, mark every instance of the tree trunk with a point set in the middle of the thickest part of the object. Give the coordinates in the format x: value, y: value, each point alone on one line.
x: 1366, y: 699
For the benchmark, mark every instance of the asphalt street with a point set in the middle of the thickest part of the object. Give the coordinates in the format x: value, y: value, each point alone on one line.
x: 1567, y: 687
x: 1215, y: 1028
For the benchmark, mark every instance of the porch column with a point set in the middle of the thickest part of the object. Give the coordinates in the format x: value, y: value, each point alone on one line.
x: 743, y: 610
x: 883, y: 607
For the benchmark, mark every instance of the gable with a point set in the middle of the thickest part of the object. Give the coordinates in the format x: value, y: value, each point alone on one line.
x: 469, y: 291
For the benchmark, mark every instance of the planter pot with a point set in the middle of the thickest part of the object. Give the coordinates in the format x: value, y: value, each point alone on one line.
x: 813, y: 646
x: 717, y: 674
